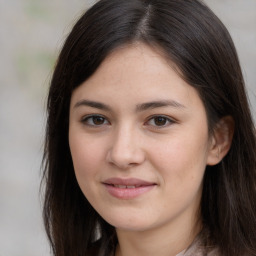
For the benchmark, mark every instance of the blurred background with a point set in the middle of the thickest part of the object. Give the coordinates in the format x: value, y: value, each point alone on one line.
x: 31, y: 35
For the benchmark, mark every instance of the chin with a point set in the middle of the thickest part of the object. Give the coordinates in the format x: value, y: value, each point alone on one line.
x: 130, y: 223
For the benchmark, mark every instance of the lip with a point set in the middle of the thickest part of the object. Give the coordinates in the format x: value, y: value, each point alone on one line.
x: 127, y: 188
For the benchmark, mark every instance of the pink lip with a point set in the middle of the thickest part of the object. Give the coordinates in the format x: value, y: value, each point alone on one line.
x: 141, y: 187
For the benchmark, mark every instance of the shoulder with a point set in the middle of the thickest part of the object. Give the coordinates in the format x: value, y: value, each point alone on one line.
x: 197, y: 249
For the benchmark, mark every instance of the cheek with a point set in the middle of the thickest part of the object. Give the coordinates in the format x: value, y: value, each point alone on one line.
x: 86, y: 156
x: 183, y: 158
x: 86, y: 161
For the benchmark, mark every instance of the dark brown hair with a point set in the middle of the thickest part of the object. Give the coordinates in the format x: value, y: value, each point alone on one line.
x: 196, y: 41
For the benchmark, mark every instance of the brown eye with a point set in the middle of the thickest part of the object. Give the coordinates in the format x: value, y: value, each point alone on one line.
x: 160, y: 120
x: 95, y: 120
x: 98, y: 120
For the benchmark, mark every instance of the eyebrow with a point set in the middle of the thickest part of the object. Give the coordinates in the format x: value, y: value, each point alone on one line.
x: 158, y: 104
x: 139, y: 107
x: 92, y: 104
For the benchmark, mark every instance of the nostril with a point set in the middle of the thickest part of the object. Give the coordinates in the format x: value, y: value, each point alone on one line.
x: 125, y: 158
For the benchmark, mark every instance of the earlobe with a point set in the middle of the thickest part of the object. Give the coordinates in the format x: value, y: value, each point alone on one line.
x: 221, y: 140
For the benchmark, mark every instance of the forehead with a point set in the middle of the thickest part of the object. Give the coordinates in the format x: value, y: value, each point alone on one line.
x: 139, y: 73
x: 138, y: 58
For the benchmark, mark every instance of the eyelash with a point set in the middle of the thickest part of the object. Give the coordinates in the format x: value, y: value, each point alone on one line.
x: 86, y: 120
x: 167, y: 121
x: 90, y: 121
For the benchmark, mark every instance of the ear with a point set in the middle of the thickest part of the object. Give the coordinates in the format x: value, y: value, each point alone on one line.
x: 221, y: 140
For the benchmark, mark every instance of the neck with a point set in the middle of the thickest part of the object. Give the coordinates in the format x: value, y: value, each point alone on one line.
x: 168, y: 240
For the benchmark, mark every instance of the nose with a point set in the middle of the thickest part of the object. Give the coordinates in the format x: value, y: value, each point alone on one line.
x: 126, y: 149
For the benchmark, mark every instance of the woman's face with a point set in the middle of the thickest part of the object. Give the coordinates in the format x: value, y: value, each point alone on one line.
x: 139, y: 142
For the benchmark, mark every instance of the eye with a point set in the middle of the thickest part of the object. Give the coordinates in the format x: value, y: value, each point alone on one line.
x: 95, y: 120
x: 160, y: 121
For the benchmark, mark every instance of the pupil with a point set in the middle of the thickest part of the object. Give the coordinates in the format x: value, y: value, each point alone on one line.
x: 160, y: 121
x: 98, y: 120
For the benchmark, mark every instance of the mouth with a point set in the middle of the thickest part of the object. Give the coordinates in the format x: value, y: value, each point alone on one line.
x: 127, y: 188
x: 130, y: 183
x: 123, y: 186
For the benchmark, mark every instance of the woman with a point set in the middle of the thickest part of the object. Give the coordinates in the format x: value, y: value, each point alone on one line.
x: 150, y: 144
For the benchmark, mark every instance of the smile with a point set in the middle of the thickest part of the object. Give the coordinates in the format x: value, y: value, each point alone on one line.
x: 123, y: 186
x: 127, y: 188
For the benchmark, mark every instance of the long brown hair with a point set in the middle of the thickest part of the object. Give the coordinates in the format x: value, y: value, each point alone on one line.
x: 193, y: 38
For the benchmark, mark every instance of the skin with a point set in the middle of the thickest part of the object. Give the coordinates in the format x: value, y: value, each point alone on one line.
x: 129, y: 141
